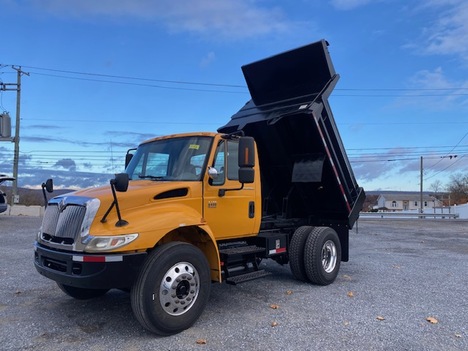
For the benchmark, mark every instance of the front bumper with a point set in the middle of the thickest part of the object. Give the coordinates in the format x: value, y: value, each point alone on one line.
x: 89, y: 271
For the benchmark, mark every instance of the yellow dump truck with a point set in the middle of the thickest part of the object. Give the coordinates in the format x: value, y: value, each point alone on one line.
x: 197, y: 208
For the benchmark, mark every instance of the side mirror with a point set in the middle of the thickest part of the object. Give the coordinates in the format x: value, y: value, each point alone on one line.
x: 120, y: 182
x: 49, y: 186
x: 246, y: 175
x: 246, y: 160
x: 129, y: 156
x: 212, y: 172
x: 246, y: 152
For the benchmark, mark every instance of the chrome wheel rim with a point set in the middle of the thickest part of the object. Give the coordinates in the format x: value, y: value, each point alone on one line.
x: 179, y: 289
x: 329, y: 256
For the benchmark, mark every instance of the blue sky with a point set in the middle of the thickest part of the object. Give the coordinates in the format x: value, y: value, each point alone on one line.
x: 105, y: 75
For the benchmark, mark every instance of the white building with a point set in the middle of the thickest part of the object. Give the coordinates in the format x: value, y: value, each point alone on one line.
x: 406, y: 201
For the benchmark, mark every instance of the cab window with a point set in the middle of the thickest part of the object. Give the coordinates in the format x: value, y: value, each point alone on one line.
x: 226, y: 162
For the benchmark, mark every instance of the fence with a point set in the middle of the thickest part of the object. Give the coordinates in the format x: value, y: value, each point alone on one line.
x: 409, y: 215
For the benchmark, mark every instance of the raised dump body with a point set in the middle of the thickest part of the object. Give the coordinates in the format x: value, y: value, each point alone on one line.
x: 305, y: 173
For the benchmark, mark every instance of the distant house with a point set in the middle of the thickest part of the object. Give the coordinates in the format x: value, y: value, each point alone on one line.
x: 406, y: 201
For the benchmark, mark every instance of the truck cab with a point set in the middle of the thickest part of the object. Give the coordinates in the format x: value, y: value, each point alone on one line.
x: 198, y: 167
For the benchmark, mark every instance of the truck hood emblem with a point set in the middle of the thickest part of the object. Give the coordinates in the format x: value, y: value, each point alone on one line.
x: 62, y: 205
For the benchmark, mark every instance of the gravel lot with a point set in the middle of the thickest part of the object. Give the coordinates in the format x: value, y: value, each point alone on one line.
x: 401, y: 272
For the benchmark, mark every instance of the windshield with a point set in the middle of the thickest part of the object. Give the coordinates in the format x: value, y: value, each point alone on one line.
x: 180, y: 158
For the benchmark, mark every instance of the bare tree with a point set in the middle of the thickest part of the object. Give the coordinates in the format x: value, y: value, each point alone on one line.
x: 436, y: 187
x: 458, y: 188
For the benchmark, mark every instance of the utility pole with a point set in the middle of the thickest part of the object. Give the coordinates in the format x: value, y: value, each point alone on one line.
x: 421, y: 208
x: 15, y: 87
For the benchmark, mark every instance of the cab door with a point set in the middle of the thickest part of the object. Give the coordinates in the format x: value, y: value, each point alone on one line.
x: 236, y: 213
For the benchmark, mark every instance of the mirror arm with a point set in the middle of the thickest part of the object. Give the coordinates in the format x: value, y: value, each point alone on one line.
x: 104, y: 218
x: 121, y: 222
x: 44, y: 194
x: 222, y: 192
x: 48, y: 185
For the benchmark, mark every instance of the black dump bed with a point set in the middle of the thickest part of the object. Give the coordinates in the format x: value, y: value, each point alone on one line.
x: 305, y: 171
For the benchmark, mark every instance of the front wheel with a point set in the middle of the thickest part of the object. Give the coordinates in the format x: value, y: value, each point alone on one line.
x: 322, y: 255
x: 172, y: 288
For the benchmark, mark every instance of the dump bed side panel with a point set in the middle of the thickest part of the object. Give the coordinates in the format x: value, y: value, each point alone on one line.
x: 305, y: 170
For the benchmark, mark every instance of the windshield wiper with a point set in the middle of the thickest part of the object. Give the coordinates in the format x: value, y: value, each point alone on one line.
x: 151, y: 177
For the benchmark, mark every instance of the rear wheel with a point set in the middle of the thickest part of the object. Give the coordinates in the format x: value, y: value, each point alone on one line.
x: 322, y: 255
x: 172, y: 288
x: 81, y: 293
x: 296, y: 252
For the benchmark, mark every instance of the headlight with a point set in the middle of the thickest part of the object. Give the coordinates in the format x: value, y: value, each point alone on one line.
x: 106, y: 243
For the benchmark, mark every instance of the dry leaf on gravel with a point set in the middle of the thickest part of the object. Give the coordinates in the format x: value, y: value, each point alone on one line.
x: 432, y: 320
x: 201, y: 341
x: 274, y: 306
x: 380, y: 318
x: 289, y: 292
x: 350, y: 294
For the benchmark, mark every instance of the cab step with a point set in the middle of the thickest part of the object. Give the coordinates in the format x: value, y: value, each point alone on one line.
x: 240, y: 254
x: 241, y: 278
x: 242, y: 250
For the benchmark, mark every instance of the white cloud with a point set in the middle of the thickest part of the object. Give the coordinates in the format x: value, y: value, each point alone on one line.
x: 431, y: 79
x: 447, y: 34
x: 448, y: 92
x: 225, y: 19
x: 371, y: 167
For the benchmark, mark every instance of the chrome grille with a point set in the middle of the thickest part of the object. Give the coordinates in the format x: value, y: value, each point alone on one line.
x: 49, y: 222
x: 65, y: 223
x: 69, y: 222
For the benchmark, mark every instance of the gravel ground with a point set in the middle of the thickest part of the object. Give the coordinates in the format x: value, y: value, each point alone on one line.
x: 400, y: 273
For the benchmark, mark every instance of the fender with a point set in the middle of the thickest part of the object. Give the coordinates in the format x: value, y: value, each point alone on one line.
x: 203, y: 238
x: 160, y: 223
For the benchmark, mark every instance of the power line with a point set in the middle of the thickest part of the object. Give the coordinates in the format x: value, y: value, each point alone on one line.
x: 177, y: 84
x: 138, y: 78
x: 144, y: 85
x: 404, y: 89
x: 405, y: 147
x: 442, y: 170
x: 451, y: 151
x: 123, y: 121
x: 400, y: 123
x: 400, y: 95
x: 104, y: 154
x: 388, y: 158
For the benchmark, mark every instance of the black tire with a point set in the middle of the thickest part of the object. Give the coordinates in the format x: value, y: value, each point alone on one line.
x: 296, y: 252
x: 172, y: 289
x: 81, y: 293
x: 322, y: 256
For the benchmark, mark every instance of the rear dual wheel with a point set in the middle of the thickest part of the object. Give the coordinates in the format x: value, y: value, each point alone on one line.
x: 296, y: 252
x: 315, y: 254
